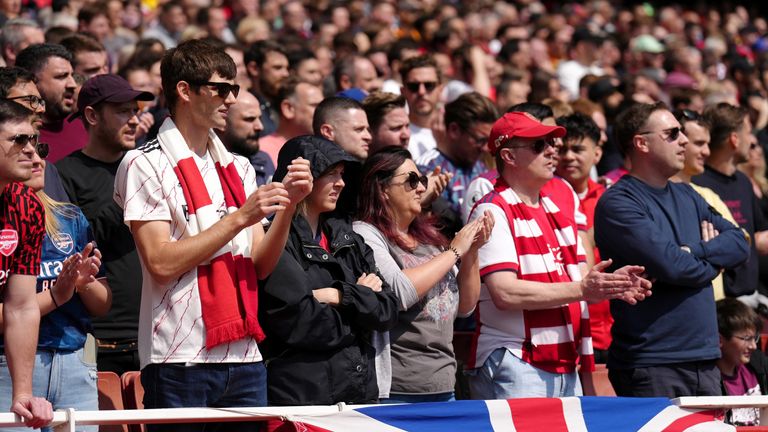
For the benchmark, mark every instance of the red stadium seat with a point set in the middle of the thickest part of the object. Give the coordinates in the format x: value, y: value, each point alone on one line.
x: 110, y: 398
x: 133, y: 395
x: 603, y: 385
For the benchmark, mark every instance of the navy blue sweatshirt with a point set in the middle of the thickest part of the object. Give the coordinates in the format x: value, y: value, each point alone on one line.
x: 638, y: 224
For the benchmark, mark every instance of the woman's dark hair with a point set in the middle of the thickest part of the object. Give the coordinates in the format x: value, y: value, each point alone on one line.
x: 377, y: 171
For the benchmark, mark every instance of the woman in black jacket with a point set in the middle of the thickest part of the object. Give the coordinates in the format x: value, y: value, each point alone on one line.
x: 323, y: 300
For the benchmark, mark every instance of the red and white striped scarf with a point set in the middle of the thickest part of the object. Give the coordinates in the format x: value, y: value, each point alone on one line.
x: 227, y: 281
x: 561, y: 355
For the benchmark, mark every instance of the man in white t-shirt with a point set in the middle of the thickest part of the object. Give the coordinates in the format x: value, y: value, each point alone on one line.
x: 422, y: 87
x: 194, y: 211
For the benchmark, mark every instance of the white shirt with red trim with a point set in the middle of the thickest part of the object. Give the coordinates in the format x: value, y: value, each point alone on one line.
x: 538, y: 337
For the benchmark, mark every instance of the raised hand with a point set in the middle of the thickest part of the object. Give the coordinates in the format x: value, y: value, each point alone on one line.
x: 438, y: 180
x: 66, y: 282
x: 298, y: 180
x: 464, y: 239
x: 641, y: 287
x: 371, y: 280
x: 266, y: 200
x: 598, y: 286
x: 487, y: 222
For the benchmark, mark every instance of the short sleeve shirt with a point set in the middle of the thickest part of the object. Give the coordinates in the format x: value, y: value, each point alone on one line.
x: 22, y: 226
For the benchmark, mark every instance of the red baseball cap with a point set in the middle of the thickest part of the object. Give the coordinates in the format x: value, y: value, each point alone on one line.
x: 520, y: 125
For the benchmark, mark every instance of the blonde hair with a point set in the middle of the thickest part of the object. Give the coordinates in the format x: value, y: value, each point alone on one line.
x: 53, y: 211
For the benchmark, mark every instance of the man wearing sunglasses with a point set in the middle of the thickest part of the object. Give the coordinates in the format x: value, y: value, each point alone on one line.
x: 533, y: 315
x: 667, y: 346
x: 18, y: 85
x: 422, y: 89
x: 731, y: 138
x: 194, y: 211
x: 22, y: 228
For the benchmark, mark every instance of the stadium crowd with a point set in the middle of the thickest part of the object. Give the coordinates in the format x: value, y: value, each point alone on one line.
x: 286, y: 202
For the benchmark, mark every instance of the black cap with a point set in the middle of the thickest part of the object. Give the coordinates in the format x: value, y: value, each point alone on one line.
x: 107, y: 88
x: 321, y: 153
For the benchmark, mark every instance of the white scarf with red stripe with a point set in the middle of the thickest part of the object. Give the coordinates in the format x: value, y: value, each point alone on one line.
x: 227, y: 281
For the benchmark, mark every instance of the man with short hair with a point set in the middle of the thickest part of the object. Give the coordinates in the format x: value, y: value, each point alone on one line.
x: 194, y: 211
x: 89, y: 57
x: 51, y: 65
x: 468, y: 121
x: 304, y: 64
x: 422, y: 87
x: 18, y: 85
x: 357, y: 72
x: 388, y: 120
x: 108, y: 106
x: 170, y: 23
x: 22, y: 226
x: 241, y: 136
x: 343, y: 121
x: 267, y: 66
x: 534, y: 324
x: 731, y: 138
x: 667, y: 346
x: 17, y: 34
x: 296, y: 102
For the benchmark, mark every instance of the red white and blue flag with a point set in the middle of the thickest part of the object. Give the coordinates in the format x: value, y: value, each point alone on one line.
x: 569, y: 414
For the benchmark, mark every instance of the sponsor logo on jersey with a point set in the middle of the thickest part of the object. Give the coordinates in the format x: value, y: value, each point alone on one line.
x: 64, y: 243
x: 9, y: 239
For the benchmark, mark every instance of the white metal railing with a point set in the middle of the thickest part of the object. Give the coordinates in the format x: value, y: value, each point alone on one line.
x: 66, y: 420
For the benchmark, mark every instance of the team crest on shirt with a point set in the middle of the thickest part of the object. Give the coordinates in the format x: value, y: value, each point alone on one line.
x: 9, y: 239
x: 64, y: 243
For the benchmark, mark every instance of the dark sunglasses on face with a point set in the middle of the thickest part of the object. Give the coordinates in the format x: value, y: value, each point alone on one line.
x: 223, y: 89
x: 684, y: 115
x: 33, y: 101
x: 22, y: 140
x: 539, y: 145
x: 42, y: 150
x: 413, y: 180
x: 672, y: 133
x: 414, y: 86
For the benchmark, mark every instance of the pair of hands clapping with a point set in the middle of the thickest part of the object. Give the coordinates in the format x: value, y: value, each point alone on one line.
x: 277, y: 196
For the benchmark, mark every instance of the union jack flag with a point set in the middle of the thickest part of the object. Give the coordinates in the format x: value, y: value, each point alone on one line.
x: 571, y: 414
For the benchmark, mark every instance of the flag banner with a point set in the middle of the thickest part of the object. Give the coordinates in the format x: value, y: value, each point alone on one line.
x: 570, y: 414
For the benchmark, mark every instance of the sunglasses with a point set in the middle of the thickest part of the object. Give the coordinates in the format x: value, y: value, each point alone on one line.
x: 223, y: 89
x: 414, y: 86
x: 413, y: 180
x: 672, y: 133
x: 538, y: 146
x: 34, y: 102
x: 686, y: 115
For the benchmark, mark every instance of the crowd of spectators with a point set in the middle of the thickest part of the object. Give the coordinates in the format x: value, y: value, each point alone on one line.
x: 619, y: 144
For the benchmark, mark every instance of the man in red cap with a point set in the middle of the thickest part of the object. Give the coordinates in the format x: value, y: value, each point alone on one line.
x: 533, y: 319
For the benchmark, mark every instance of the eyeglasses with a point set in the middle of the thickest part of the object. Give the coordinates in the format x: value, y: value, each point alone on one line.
x: 748, y: 339
x: 538, y: 146
x: 413, y: 180
x: 672, y: 133
x: 34, y: 102
x: 414, y: 86
x: 223, y: 89
x: 478, y: 140
x: 684, y: 115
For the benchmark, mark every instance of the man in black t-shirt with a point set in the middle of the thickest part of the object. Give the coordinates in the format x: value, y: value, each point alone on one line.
x: 731, y: 138
x: 107, y: 104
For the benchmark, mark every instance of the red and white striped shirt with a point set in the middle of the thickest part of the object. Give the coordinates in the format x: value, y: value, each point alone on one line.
x: 539, y: 244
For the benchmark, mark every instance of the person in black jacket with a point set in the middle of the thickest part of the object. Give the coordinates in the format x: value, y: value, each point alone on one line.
x: 324, y: 299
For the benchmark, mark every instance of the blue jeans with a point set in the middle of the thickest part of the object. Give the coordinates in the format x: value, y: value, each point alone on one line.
x: 418, y: 398
x: 221, y: 385
x: 63, y: 378
x: 504, y: 376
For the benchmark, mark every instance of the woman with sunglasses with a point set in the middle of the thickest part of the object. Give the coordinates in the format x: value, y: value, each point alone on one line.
x: 421, y: 266
x: 68, y: 294
x: 323, y: 299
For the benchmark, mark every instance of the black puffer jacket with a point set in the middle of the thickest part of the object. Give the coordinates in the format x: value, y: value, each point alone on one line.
x: 317, y: 354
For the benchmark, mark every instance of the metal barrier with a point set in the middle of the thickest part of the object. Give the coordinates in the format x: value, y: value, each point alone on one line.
x: 66, y: 420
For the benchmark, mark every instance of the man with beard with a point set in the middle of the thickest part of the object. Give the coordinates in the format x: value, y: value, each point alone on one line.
x: 18, y: 85
x: 242, y: 135
x: 267, y: 65
x: 108, y: 106
x: 51, y: 65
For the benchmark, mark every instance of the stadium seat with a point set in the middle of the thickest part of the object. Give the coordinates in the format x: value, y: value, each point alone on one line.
x: 603, y: 385
x: 110, y: 398
x: 133, y: 395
